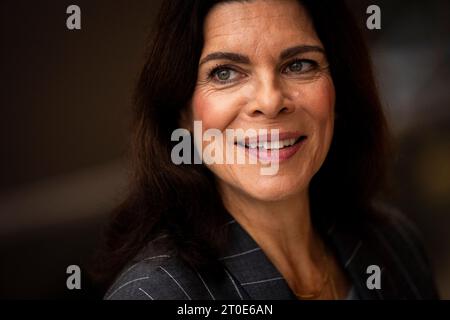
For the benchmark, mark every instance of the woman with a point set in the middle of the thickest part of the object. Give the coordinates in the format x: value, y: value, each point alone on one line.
x: 312, y: 228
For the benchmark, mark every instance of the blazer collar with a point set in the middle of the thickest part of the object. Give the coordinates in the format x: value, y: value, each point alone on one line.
x: 355, y: 255
x: 259, y: 279
x: 255, y: 274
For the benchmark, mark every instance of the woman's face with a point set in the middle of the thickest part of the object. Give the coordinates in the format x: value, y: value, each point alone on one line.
x: 263, y: 67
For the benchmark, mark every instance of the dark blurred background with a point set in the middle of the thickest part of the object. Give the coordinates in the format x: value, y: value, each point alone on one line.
x: 65, y: 111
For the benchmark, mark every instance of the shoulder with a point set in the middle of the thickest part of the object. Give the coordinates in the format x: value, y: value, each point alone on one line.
x: 394, y: 230
x: 157, y: 273
x: 139, y: 280
x: 399, y: 239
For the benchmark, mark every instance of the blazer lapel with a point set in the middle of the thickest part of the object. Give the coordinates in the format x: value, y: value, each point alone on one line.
x: 355, y: 255
x: 256, y: 276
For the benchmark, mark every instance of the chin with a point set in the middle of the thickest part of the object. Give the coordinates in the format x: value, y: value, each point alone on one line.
x: 275, y: 190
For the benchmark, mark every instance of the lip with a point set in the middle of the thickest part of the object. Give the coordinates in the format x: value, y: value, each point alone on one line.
x: 277, y: 155
x: 268, y: 137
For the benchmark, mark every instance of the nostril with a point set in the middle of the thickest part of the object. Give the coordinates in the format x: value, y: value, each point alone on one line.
x: 258, y: 112
x: 269, y: 111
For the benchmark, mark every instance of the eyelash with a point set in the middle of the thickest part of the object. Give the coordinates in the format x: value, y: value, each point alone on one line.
x: 313, y: 64
x: 219, y: 67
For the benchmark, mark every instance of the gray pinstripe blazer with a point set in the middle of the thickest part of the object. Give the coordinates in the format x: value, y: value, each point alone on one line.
x: 248, y: 273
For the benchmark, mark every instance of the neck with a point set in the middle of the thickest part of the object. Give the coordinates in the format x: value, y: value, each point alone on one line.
x: 282, y: 229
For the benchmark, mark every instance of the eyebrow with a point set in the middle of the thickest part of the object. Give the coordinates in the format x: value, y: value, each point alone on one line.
x: 239, y: 58
x: 293, y: 51
x: 235, y: 57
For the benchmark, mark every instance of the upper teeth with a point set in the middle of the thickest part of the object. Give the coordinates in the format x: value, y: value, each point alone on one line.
x: 271, y: 144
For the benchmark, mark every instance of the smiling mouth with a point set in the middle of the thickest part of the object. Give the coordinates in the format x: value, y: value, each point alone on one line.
x: 271, y: 145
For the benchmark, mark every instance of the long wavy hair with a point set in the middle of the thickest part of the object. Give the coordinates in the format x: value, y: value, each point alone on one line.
x: 182, y: 200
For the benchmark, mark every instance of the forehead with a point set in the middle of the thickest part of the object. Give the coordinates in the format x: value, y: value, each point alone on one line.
x: 258, y: 24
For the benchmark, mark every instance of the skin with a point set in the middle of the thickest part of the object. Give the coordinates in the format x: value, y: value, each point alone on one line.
x: 294, y: 93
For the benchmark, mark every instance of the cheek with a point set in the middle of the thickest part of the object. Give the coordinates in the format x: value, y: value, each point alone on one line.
x: 319, y: 104
x: 322, y: 101
x: 327, y: 112
x: 325, y: 116
x: 215, y: 110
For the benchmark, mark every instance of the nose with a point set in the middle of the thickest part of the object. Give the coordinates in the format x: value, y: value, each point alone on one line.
x: 269, y: 100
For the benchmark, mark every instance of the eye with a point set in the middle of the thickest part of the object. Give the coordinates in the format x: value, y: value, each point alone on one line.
x: 300, y: 66
x: 223, y: 74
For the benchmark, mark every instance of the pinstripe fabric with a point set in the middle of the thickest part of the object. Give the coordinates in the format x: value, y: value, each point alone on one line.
x: 249, y: 274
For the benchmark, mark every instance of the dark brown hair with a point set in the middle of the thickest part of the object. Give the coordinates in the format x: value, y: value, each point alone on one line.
x: 182, y: 200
